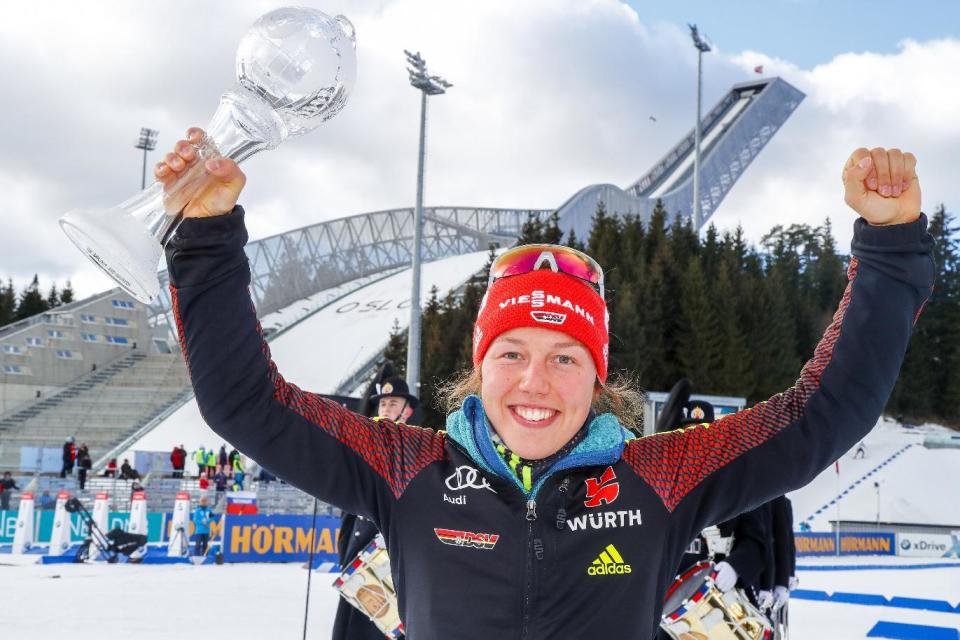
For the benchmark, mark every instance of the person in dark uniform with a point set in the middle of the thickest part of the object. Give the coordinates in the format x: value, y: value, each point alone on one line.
x: 782, y: 575
x: 393, y: 401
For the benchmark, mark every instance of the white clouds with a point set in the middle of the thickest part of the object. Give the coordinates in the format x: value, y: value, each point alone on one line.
x: 548, y: 96
x: 908, y: 100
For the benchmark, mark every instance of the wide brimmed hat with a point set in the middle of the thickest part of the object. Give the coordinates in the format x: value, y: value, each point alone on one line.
x: 395, y: 387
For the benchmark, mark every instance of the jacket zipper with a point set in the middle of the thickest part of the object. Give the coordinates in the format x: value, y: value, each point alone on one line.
x: 531, y: 517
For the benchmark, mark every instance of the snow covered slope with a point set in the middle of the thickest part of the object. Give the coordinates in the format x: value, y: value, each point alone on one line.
x: 324, y: 348
x: 916, y: 484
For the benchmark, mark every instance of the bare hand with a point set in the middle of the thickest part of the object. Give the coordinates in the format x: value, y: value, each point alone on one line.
x: 219, y: 189
x: 882, y: 185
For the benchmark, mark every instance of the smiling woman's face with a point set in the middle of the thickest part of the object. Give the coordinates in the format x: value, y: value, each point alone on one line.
x: 537, y: 386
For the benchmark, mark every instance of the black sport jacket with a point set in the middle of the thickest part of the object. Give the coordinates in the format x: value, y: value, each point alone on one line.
x: 591, y: 550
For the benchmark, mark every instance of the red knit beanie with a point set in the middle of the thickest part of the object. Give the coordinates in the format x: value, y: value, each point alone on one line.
x: 548, y: 300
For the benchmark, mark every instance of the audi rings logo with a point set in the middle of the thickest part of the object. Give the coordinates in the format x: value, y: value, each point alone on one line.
x: 467, y: 478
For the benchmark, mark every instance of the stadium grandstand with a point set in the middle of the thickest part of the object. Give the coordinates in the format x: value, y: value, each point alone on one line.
x: 107, y: 370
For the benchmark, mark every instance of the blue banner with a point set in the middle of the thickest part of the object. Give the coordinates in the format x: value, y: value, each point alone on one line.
x: 851, y: 544
x: 43, y: 525
x: 280, y: 538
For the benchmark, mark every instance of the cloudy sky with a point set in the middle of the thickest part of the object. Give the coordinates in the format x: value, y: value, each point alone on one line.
x: 549, y: 96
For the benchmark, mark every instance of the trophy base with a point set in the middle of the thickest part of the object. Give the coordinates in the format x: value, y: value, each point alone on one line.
x: 118, y: 244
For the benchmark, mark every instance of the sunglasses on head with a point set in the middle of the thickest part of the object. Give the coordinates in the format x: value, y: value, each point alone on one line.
x: 557, y: 258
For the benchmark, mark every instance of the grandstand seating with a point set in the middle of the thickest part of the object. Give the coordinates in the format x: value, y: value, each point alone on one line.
x: 101, y: 409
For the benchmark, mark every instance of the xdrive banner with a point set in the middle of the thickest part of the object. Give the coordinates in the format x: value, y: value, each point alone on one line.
x: 851, y: 544
x: 929, y: 545
x: 280, y: 538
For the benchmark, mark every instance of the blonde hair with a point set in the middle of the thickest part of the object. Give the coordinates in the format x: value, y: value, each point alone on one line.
x: 620, y: 395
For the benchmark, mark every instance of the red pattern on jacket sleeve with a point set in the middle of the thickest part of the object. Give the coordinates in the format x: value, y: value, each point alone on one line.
x: 676, y: 462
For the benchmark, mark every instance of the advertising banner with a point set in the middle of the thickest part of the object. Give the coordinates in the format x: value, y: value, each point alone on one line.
x: 43, y: 525
x: 928, y: 545
x: 851, y: 544
x: 280, y: 538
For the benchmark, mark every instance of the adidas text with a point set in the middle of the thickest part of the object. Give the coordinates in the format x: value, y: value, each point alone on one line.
x: 609, y: 570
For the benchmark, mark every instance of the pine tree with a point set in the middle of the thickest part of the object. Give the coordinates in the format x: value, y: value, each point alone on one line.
x: 31, y: 302
x: 53, y: 297
x: 698, y: 341
x: 396, y: 351
x: 8, y: 303
x: 66, y: 296
x: 532, y: 230
x: 735, y: 375
x: 573, y: 242
x: 552, y: 234
x: 659, y: 329
x: 772, y: 338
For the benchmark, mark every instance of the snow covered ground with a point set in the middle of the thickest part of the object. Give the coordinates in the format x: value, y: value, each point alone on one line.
x: 147, y: 602
x: 919, y: 485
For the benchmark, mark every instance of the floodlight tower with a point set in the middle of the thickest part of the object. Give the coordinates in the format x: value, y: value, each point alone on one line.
x: 702, y: 47
x: 428, y: 85
x: 148, y: 142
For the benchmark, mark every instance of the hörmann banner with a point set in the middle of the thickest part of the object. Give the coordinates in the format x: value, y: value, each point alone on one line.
x: 925, y: 545
x: 280, y: 538
x: 851, y: 544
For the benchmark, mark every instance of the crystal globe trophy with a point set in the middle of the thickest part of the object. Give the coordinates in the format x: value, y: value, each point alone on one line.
x: 295, y: 70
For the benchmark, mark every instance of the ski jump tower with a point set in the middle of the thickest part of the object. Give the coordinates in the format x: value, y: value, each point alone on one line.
x: 733, y: 134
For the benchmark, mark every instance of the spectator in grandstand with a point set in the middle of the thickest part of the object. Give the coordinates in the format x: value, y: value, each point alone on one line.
x: 220, y: 479
x: 200, y: 458
x: 223, y: 459
x: 202, y: 516
x: 111, y: 469
x: 84, y: 464
x: 265, y: 476
x: 204, y: 482
x: 135, y: 486
x: 178, y: 458
x: 127, y: 472
x: 234, y: 454
x: 211, y: 462
x: 536, y: 433
x: 69, y: 456
x: 46, y: 502
x: 7, y: 486
x: 238, y: 473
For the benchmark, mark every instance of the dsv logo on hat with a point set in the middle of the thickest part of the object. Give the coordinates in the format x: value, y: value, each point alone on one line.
x: 548, y: 317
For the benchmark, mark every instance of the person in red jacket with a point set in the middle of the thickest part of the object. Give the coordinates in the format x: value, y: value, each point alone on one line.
x: 178, y: 457
x: 535, y: 513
